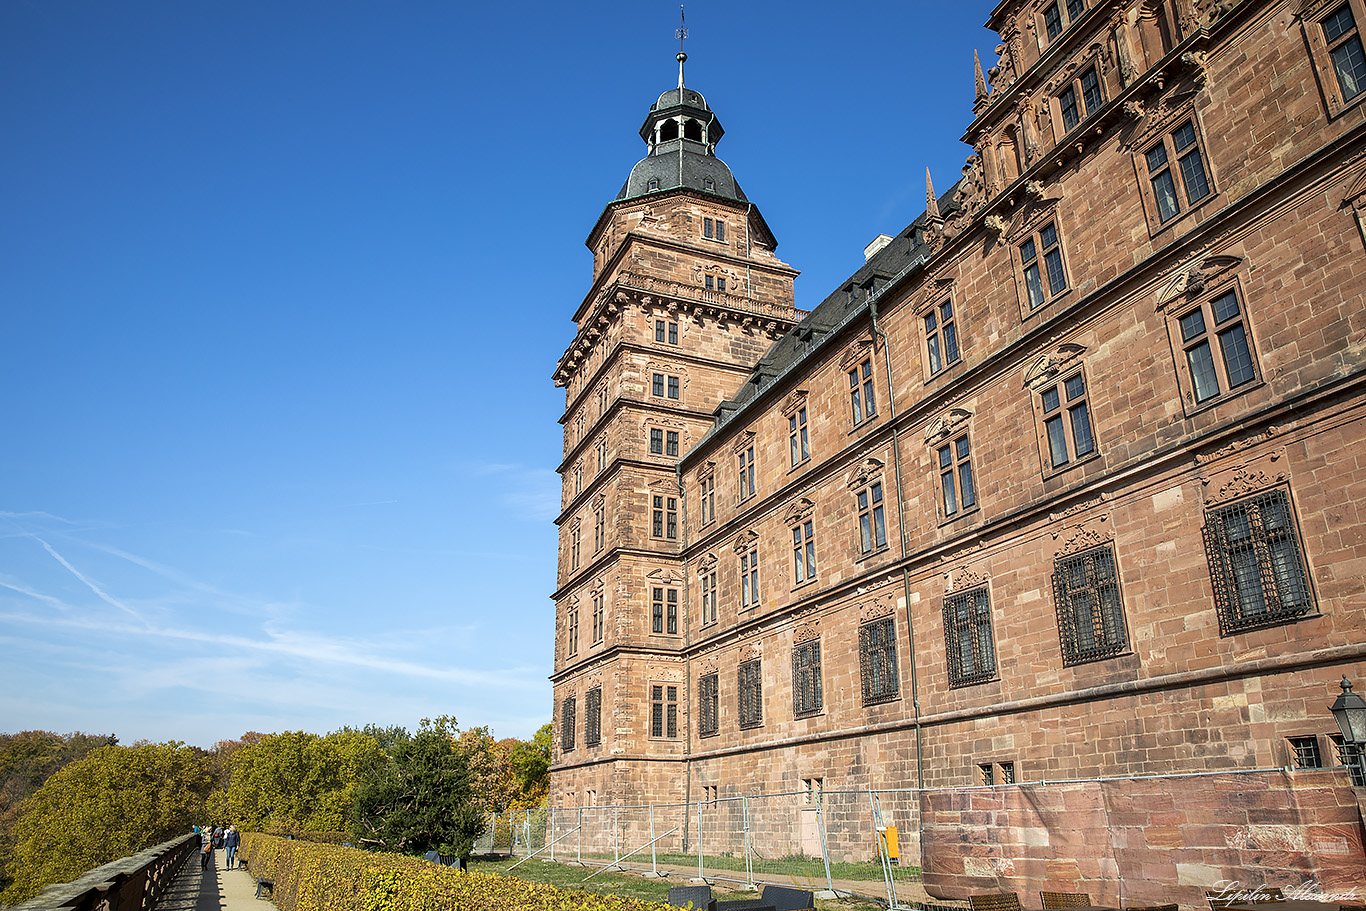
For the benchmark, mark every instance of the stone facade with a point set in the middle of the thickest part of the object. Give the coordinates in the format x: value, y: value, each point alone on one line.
x: 1105, y: 526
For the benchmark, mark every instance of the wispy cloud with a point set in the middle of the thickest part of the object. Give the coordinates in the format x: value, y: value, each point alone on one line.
x: 99, y: 592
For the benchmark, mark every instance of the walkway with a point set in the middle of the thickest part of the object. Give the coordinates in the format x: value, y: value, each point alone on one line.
x: 214, y: 889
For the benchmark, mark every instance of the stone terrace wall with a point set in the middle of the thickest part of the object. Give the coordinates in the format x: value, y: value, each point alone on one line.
x: 1146, y: 841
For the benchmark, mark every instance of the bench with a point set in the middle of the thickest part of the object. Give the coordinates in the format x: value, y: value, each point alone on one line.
x: 263, y: 883
x: 784, y: 899
x: 699, y: 896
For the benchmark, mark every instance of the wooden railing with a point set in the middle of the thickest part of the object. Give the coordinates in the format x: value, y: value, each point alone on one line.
x: 131, y: 883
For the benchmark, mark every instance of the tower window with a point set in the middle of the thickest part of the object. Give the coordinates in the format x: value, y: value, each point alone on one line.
x: 692, y: 130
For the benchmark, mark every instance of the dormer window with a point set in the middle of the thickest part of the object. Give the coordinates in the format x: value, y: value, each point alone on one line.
x: 654, y: 183
x: 708, y: 184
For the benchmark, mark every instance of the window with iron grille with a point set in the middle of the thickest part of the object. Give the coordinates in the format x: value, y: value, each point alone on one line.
x: 1090, y: 613
x: 664, y: 517
x: 592, y: 717
x: 709, y: 598
x: 1349, y: 755
x: 806, y: 678
x: 1256, y: 563
x: 750, y: 690
x: 967, y: 637
x: 987, y: 773
x: 877, y: 661
x: 567, y: 724
x: 861, y: 402
x: 941, y: 337
x: 1305, y: 752
x: 663, y: 711
x: 708, y: 704
x: 664, y: 611
x: 1007, y: 772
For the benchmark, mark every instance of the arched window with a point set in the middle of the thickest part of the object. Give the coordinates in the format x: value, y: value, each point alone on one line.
x: 692, y: 130
x: 668, y: 130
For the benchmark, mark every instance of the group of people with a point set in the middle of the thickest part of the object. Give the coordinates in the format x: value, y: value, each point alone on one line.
x: 211, y: 837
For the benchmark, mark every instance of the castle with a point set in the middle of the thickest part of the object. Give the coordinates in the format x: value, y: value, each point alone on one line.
x: 1064, y: 481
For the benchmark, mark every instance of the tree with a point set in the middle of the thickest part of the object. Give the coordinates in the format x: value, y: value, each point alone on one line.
x: 418, y: 799
x: 491, y: 780
x: 114, y: 802
x: 530, y: 765
x: 298, y: 782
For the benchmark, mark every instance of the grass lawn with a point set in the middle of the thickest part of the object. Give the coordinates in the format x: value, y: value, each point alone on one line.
x: 569, y: 876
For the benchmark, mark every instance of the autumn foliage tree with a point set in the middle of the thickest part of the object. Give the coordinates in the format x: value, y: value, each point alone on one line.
x: 115, y: 802
x: 298, y: 782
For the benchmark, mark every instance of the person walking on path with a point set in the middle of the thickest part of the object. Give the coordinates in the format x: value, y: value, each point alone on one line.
x: 205, y: 847
x: 230, y: 840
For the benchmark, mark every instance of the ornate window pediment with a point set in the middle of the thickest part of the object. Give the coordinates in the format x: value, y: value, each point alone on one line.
x: 705, y: 470
x: 1354, y: 198
x: 795, y: 400
x: 1048, y: 366
x: 930, y: 293
x: 1038, y: 209
x: 664, y: 576
x: 947, y: 425
x: 743, y: 440
x: 748, y: 652
x: 864, y: 472
x: 1192, y: 278
x: 856, y: 353
x: 706, y: 564
x: 798, y: 510
x: 745, y: 541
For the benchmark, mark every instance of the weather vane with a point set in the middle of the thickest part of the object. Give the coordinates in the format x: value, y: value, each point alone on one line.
x: 681, y: 33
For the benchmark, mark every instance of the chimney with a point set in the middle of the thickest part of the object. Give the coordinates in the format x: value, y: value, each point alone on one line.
x: 878, y: 243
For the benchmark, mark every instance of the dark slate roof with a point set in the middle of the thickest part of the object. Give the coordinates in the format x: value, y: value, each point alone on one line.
x: 681, y: 168
x: 902, y: 254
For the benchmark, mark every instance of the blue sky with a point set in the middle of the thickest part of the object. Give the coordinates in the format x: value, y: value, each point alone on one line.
x: 282, y: 287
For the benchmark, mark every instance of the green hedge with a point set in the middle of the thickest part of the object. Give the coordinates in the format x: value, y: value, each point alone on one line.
x: 317, y: 877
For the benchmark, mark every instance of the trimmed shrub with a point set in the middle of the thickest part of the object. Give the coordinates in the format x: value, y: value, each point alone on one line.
x: 317, y: 877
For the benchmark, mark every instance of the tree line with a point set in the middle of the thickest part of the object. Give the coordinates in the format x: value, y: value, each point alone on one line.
x: 70, y: 803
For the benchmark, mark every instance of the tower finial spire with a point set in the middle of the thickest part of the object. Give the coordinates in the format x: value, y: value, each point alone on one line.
x: 931, y: 200
x: 681, y: 33
x: 981, y: 81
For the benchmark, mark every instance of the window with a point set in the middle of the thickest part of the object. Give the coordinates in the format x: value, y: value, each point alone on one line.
x: 1067, y: 421
x: 714, y: 229
x: 664, y: 611
x: 567, y: 724
x: 592, y: 717
x: 663, y: 711
x: 967, y: 637
x: 578, y: 479
x: 1343, y: 44
x: 806, y: 678
x: 1041, y: 259
x: 599, y: 527
x: 673, y: 387
x: 941, y: 337
x: 1176, y: 172
x: 1256, y: 563
x: 656, y: 441
x: 1080, y: 99
x: 749, y: 578
x: 1304, y: 751
x: 750, y: 689
x: 660, y: 383
x: 955, y: 476
x: 707, y: 230
x: 709, y: 598
x: 1214, y: 339
x: 707, y: 496
x: 721, y: 233
x: 813, y: 788
x: 861, y: 391
x: 803, y: 552
x: 1007, y: 772
x: 1054, y: 23
x: 666, y: 331
x: 602, y: 454
x: 986, y: 773
x: 877, y: 661
x: 708, y: 703
x: 1090, y: 615
x: 872, y: 529
x: 710, y: 793
x: 671, y: 443
x: 746, y: 476
x: 571, y: 632
x: 574, y: 547
x: 715, y: 284
x: 602, y: 400
x: 657, y: 385
x: 664, y: 517
x: 599, y: 619
x: 1349, y: 755
x: 796, y: 435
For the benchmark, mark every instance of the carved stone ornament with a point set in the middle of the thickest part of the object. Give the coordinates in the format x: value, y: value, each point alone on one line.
x: 1078, y: 508
x: 805, y: 633
x: 931, y: 293
x: 866, y: 471
x: 996, y: 224
x: 946, y: 425
x: 705, y: 470
x: 971, y: 192
x: 795, y: 400
x: 1153, y: 118
x: 599, y: 501
x: 1049, y: 366
x: 593, y: 682
x: 666, y: 674
x: 877, y: 608
x: 1193, y: 278
x: 797, y: 510
x: 749, y: 652
x: 572, y: 603
x: 743, y: 440
x: 1035, y: 212
x: 574, y: 525
x: 706, y: 564
x: 596, y: 587
x: 1354, y: 198
x: 855, y: 353
x: 875, y: 585
x: 744, y: 542
x: 1257, y: 475
x: 664, y: 576
x: 1204, y: 458
x: 666, y: 485
x: 706, y: 666
x: 1085, y: 539
x: 968, y: 578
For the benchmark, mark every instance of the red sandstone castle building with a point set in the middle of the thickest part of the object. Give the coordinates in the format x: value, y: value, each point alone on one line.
x: 1068, y: 479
